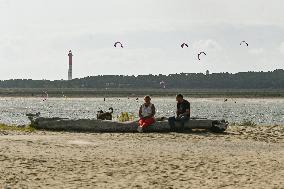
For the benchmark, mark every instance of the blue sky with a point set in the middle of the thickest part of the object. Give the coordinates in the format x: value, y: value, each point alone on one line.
x: 36, y: 35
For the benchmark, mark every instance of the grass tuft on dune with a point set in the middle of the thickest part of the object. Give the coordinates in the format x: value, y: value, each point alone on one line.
x: 26, y: 128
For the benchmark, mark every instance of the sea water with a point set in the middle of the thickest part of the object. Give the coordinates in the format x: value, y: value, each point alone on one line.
x: 262, y: 111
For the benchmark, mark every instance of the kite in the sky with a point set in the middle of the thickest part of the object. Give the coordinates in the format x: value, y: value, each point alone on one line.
x: 116, y: 43
x: 244, y: 43
x: 183, y: 45
x: 200, y: 55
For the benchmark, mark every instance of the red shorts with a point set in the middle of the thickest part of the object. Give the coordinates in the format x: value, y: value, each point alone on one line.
x: 145, y: 122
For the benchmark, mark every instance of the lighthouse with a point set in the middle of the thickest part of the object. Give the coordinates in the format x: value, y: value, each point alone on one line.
x: 70, y: 55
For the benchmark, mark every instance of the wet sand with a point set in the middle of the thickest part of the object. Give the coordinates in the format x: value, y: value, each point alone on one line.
x: 243, y: 157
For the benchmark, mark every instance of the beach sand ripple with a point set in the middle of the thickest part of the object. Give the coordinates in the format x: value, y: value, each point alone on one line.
x: 243, y: 157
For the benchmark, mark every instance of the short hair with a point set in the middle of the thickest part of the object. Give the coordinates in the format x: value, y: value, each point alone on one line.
x: 179, y: 96
x: 147, y: 96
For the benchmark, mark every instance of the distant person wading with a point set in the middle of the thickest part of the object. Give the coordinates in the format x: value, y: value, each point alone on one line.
x: 147, y: 112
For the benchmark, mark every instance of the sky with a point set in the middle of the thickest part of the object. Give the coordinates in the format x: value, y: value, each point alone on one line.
x: 36, y: 35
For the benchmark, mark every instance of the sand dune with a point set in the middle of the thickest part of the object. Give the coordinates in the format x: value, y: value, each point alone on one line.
x: 244, y: 157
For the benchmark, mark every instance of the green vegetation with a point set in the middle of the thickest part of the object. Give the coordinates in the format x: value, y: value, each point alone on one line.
x: 243, y: 84
x: 243, y: 80
x: 247, y: 123
x: 27, y: 128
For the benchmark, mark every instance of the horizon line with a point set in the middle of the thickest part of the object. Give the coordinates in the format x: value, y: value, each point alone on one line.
x: 149, y: 75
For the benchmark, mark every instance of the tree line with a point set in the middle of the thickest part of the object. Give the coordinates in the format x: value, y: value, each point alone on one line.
x: 242, y: 80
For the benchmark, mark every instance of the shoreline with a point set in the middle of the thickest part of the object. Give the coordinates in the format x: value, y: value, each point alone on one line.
x: 107, y: 93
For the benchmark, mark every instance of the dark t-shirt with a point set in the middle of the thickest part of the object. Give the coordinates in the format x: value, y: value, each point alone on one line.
x: 182, y: 106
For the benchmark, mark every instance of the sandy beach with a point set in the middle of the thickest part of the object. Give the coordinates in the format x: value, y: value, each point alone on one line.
x: 243, y: 157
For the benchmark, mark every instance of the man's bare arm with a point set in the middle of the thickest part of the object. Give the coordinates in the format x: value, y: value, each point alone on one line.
x: 186, y: 113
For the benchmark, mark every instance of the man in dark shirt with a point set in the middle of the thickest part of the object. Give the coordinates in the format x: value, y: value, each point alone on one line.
x: 183, y: 113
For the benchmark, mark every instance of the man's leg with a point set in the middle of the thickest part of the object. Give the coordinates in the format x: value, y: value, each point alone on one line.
x: 172, y: 121
x: 182, y: 121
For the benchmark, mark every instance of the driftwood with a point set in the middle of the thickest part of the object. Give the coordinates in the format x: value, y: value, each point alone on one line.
x: 92, y: 125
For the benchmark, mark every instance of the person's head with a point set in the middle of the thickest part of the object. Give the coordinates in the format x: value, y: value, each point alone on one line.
x: 179, y: 98
x: 147, y: 99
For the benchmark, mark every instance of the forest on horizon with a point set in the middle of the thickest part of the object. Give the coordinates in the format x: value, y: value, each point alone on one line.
x: 242, y: 80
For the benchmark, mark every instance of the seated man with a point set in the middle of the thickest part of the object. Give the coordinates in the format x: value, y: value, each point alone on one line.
x: 183, y: 113
x: 147, y: 112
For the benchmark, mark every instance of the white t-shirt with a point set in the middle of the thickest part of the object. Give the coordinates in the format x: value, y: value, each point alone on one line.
x: 146, y: 111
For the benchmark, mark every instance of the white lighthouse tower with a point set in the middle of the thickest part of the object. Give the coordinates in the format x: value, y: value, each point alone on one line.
x: 70, y: 55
